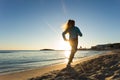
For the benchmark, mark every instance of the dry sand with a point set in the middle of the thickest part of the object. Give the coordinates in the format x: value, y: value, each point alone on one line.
x: 98, y: 67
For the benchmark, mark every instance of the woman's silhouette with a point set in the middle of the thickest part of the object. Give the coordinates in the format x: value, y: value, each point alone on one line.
x: 73, y: 38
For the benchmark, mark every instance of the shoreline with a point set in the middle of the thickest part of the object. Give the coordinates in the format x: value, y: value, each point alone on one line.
x: 18, y: 71
x: 25, y: 75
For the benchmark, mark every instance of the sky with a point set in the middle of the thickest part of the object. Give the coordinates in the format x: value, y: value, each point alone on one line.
x: 37, y: 24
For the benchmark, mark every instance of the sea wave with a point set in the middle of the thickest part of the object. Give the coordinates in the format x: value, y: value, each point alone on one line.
x: 5, y: 51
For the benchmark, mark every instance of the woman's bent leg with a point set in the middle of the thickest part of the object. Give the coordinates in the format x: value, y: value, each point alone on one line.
x: 73, y: 51
x: 73, y: 44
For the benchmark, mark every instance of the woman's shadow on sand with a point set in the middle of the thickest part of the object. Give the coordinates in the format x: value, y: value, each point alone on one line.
x: 69, y: 73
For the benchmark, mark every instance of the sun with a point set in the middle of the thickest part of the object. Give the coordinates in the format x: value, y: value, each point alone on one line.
x: 64, y: 45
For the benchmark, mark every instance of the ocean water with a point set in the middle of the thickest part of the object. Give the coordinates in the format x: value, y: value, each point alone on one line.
x: 19, y: 60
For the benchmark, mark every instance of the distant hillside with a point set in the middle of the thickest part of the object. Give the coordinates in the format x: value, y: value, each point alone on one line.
x: 106, y: 46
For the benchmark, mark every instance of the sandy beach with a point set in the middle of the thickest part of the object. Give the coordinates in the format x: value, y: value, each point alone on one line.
x: 98, y: 67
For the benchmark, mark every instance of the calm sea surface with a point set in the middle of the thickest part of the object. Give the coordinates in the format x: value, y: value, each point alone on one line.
x: 20, y: 60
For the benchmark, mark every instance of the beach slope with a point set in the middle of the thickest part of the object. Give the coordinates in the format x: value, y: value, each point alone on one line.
x: 102, y: 67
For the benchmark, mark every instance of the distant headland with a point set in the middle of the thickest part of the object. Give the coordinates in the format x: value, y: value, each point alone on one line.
x: 47, y: 50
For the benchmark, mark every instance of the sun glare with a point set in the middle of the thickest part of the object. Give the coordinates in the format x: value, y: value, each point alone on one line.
x: 64, y: 45
x: 67, y: 54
